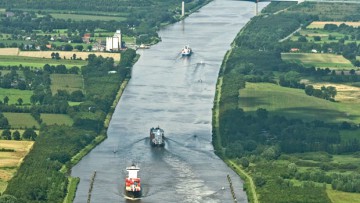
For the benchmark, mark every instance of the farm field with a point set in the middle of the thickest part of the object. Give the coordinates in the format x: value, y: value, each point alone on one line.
x: 68, y: 54
x: 321, y: 24
x: 47, y: 54
x: 59, y: 119
x: 331, y: 61
x: 21, y: 120
x: 38, y: 62
x: 83, y: 17
x: 69, y: 82
x: 9, y: 51
x: 294, y: 103
x: 11, y: 160
x: 345, y: 93
x: 15, y: 94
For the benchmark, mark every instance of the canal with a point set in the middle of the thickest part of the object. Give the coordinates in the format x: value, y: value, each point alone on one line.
x: 175, y: 93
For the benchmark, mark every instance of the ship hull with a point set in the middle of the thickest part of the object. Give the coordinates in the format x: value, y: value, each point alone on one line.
x: 133, y: 194
x: 157, y: 145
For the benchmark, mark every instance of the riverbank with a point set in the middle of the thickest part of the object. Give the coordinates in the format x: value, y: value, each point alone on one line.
x: 249, y: 185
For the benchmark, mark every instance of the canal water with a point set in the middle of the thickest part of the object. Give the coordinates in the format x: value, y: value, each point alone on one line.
x: 175, y: 93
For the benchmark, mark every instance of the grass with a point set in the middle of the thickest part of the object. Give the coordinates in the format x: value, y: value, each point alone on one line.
x: 38, y: 62
x: 21, y: 120
x: 69, y: 82
x: 342, y: 197
x: 10, y: 161
x: 59, y: 119
x: 71, y: 189
x: 15, y: 94
x: 323, y: 34
x: 83, y: 17
x: 295, y: 103
x: 74, y: 103
x: 331, y: 61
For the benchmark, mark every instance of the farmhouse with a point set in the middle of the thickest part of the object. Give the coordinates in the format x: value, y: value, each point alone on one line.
x: 86, y: 38
x: 114, y: 43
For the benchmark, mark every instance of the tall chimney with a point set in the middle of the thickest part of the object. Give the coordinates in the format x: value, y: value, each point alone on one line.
x: 182, y: 8
x: 256, y: 7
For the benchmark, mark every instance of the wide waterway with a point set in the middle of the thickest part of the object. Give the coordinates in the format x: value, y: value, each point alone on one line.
x: 177, y: 94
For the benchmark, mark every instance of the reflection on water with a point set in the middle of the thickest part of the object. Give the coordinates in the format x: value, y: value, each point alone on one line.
x: 177, y: 94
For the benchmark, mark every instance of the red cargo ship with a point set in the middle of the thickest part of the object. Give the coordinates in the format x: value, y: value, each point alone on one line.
x: 132, y: 183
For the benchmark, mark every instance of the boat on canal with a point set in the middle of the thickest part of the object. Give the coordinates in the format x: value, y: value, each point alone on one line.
x: 157, y: 137
x: 132, y: 183
x: 186, y: 51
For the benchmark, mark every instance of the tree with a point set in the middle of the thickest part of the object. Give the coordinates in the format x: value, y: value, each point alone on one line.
x: 16, y: 135
x: 20, y: 101
x: 6, y: 134
x: 29, y: 134
x: 6, y: 100
x: 302, y: 39
x: 74, y: 57
x: 79, y: 47
x: 262, y: 113
x: 309, y: 90
x: 8, y: 199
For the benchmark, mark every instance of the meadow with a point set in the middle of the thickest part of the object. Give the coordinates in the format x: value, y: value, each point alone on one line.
x: 342, y: 197
x: 15, y: 94
x: 323, y: 34
x: 331, y: 61
x: 21, y: 120
x: 69, y: 82
x: 59, y: 119
x: 38, y: 62
x: 10, y: 161
x: 294, y: 103
x: 83, y: 17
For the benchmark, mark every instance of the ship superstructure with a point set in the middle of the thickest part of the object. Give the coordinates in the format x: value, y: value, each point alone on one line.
x: 186, y: 51
x: 132, y: 183
x: 157, y: 137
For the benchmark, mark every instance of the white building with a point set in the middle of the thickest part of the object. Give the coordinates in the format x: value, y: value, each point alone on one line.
x: 114, y: 43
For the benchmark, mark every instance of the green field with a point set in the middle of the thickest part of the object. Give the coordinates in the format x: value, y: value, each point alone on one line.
x: 82, y: 17
x: 342, y: 197
x: 332, y: 61
x: 295, y: 103
x: 21, y: 120
x: 38, y: 62
x: 69, y: 82
x: 323, y: 34
x: 15, y: 94
x: 59, y: 119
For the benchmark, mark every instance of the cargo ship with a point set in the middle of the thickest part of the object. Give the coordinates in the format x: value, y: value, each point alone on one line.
x: 132, y: 183
x: 157, y: 137
x: 186, y: 51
